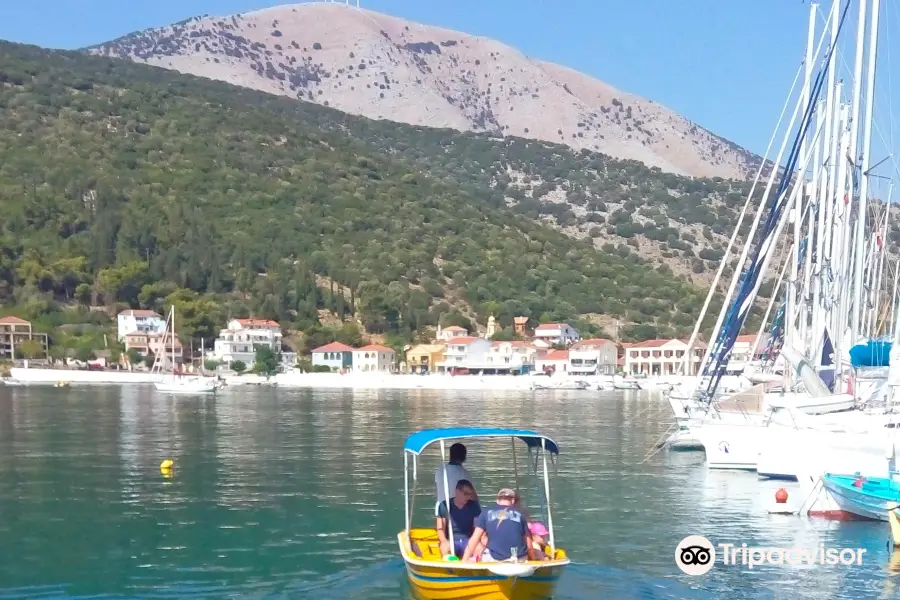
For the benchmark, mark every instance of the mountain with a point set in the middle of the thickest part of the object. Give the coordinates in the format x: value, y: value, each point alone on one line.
x: 382, y: 67
x: 127, y: 185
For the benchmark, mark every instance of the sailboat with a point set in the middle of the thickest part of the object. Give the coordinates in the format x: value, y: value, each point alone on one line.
x: 178, y: 382
x: 824, y: 312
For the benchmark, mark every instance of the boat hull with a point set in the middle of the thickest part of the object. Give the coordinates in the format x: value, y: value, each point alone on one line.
x: 729, y: 447
x: 186, y: 386
x: 874, y: 499
x: 432, y: 578
x: 684, y: 441
x: 786, y: 453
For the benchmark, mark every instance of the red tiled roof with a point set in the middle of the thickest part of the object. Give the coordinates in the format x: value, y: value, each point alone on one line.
x: 513, y: 343
x: 659, y: 343
x: 591, y: 343
x: 13, y: 321
x: 257, y: 323
x: 550, y: 326
x: 375, y: 348
x: 334, y: 347
x: 650, y: 344
x: 556, y: 355
x: 455, y: 328
x: 749, y: 338
x: 462, y: 341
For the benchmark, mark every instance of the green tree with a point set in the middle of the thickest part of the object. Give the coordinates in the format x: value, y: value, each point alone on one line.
x: 266, y: 361
x: 31, y: 349
x: 84, y: 354
x: 134, y: 357
x: 238, y: 366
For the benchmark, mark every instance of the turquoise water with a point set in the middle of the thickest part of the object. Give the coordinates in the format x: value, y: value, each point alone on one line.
x: 299, y: 494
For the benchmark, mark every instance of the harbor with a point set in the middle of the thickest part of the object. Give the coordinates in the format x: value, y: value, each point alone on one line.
x: 294, y: 493
x: 253, y: 351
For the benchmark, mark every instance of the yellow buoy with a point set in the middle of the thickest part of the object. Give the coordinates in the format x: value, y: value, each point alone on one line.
x: 166, y: 465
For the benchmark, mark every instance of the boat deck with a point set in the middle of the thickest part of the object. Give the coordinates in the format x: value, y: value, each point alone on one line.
x: 424, y: 545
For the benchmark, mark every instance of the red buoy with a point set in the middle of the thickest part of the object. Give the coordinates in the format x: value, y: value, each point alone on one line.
x: 781, y: 496
x: 858, y: 483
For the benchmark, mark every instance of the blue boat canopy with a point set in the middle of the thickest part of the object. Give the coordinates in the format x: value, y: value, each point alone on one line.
x: 420, y: 440
x: 875, y: 353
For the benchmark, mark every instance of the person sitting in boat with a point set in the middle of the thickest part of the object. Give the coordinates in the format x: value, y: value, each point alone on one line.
x: 455, y: 472
x: 460, y: 512
x: 502, y: 531
x: 539, y: 535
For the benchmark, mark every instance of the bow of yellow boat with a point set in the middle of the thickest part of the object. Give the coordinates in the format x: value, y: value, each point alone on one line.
x: 433, y: 578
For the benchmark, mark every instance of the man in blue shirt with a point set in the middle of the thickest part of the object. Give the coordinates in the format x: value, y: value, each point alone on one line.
x: 505, y: 529
x: 462, y: 512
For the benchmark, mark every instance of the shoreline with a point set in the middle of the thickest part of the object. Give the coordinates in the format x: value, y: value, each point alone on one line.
x: 297, y: 380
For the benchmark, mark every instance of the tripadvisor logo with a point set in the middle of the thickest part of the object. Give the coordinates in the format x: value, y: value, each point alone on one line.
x: 696, y: 555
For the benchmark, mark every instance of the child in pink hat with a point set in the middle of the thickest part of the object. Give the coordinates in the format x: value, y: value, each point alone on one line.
x: 538, y: 539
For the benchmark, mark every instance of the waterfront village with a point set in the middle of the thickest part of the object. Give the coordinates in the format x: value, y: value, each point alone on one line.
x: 550, y: 348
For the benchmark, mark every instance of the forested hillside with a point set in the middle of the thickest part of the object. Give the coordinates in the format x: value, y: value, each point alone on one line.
x: 127, y: 185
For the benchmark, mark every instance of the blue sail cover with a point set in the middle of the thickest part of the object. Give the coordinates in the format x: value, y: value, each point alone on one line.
x: 827, y: 373
x: 765, y: 244
x: 875, y: 353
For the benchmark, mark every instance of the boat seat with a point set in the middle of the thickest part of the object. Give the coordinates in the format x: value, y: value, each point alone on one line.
x: 424, y: 544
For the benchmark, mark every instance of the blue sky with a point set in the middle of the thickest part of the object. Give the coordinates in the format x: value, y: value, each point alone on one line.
x: 726, y: 64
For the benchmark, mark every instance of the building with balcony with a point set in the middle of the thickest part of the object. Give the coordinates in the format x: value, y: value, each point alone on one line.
x: 152, y: 344
x: 556, y: 333
x: 139, y: 321
x: 424, y: 358
x: 19, y: 340
x: 663, y: 357
x: 241, y: 338
x: 593, y: 357
x: 463, y: 354
x: 374, y: 358
x: 512, y: 356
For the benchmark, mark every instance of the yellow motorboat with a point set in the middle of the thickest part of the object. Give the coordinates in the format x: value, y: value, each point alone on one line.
x: 894, y: 520
x: 436, y: 577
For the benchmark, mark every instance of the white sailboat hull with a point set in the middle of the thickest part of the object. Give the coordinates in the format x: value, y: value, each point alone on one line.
x: 789, y: 453
x: 186, y: 385
x: 729, y: 446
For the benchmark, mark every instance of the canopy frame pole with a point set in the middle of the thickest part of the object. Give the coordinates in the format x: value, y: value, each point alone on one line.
x: 447, y: 499
x: 515, y: 464
x: 406, y: 489
x: 547, y: 495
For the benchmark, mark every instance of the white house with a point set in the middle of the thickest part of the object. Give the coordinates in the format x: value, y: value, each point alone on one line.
x: 465, y: 353
x: 445, y: 334
x: 153, y: 344
x: 334, y: 355
x: 139, y: 321
x: 374, y: 357
x: 556, y: 333
x: 745, y: 350
x: 551, y: 361
x: 240, y: 339
x: 593, y: 357
x: 511, y: 355
x: 662, y: 357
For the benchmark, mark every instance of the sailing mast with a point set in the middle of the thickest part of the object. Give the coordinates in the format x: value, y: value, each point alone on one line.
x: 173, y: 339
x: 864, y: 183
